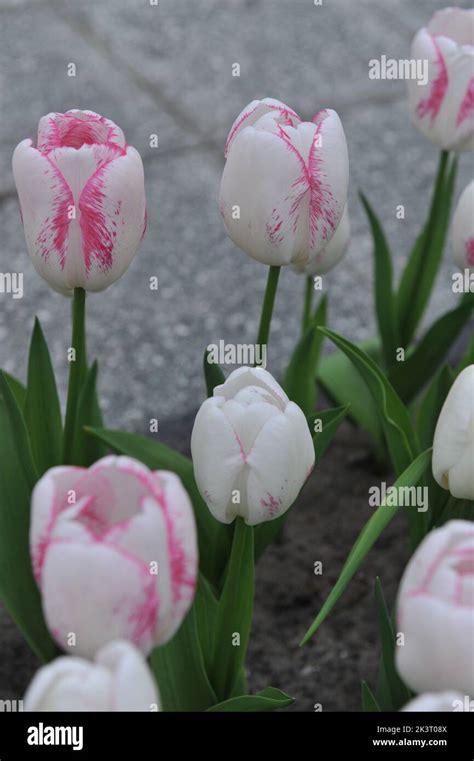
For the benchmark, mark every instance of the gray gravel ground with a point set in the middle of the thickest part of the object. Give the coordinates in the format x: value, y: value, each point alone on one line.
x: 166, y: 69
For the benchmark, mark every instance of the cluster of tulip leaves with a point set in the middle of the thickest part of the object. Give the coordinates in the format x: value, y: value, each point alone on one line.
x: 197, y: 669
x: 407, y: 436
x: 399, y: 312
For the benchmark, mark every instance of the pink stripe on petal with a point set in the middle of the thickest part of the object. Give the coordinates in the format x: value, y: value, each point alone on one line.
x: 466, y: 109
x: 431, y: 105
x: 470, y: 251
x: 98, y: 233
x: 56, y: 227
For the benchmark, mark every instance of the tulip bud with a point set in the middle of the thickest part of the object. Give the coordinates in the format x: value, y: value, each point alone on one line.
x: 284, y: 185
x: 114, y: 554
x: 82, y: 200
x: 453, y: 444
x: 118, y: 680
x: 442, y: 108
x: 251, y: 447
x: 435, y: 612
x: 432, y: 702
x: 462, y: 230
x: 332, y: 253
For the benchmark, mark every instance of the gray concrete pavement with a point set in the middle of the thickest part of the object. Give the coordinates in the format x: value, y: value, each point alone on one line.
x: 167, y: 69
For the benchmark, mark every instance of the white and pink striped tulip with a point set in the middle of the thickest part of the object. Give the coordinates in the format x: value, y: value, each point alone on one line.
x: 284, y: 185
x: 462, y: 229
x: 82, y: 200
x: 435, y: 612
x: 443, y: 108
x: 252, y: 449
x: 114, y: 554
x: 118, y: 679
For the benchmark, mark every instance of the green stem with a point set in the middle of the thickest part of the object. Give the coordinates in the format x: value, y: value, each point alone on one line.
x: 234, y: 614
x: 77, y: 370
x: 308, y: 298
x: 267, y: 308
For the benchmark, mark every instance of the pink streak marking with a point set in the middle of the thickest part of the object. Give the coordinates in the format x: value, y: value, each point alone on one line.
x: 432, y: 104
x: 59, y: 224
x: 272, y: 504
x: 470, y: 251
x: 97, y: 233
x: 466, y: 109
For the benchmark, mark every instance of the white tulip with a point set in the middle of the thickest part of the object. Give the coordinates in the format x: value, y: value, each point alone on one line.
x: 251, y: 447
x: 435, y: 612
x: 462, y: 229
x: 442, y: 109
x: 284, y: 185
x: 82, y: 199
x: 118, y: 680
x: 332, y: 253
x: 453, y: 444
x: 431, y: 702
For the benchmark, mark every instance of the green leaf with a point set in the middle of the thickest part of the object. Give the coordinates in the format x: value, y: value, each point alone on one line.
x: 369, y: 702
x: 409, y: 377
x: 367, y: 538
x: 17, y: 478
x: 343, y: 384
x: 431, y: 404
x: 396, y: 423
x: 87, y: 449
x: 299, y: 379
x: 214, y: 537
x: 205, y: 606
x: 330, y: 421
x: 42, y: 410
x: 399, y: 694
x: 422, y: 267
x: 180, y: 672
x: 269, y: 699
x: 18, y: 389
x: 385, y: 305
x: 212, y: 373
x: 234, y: 612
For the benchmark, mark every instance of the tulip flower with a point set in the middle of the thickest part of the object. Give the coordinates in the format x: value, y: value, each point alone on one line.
x: 442, y: 702
x: 453, y: 444
x: 333, y: 252
x: 114, y: 554
x: 435, y: 612
x: 462, y: 230
x: 443, y: 107
x: 118, y: 680
x: 251, y: 447
x: 284, y: 185
x: 82, y: 199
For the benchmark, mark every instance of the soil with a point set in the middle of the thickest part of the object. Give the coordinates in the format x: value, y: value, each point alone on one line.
x: 321, y: 526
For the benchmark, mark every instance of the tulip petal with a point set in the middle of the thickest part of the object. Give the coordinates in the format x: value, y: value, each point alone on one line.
x: 98, y: 593
x: 133, y: 686
x: 279, y: 464
x: 46, y: 202
x: 76, y: 128
x: 256, y: 109
x: 112, y: 220
x: 214, y: 441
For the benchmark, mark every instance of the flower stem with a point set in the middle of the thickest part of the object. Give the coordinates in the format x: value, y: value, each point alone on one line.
x: 77, y: 370
x: 308, y: 298
x: 267, y: 308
